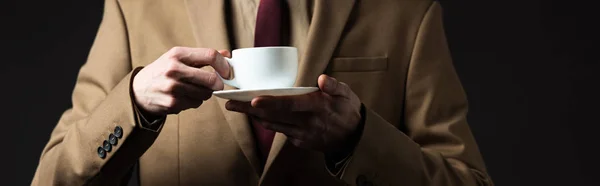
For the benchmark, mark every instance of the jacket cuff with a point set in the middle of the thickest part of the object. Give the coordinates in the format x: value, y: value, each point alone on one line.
x: 381, y: 147
x: 120, y: 124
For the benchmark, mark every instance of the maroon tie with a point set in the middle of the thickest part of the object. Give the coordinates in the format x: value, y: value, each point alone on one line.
x: 267, y: 33
x: 268, y: 24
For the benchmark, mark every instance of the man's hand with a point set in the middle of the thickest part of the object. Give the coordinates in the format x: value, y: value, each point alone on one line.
x: 175, y: 82
x: 323, y: 120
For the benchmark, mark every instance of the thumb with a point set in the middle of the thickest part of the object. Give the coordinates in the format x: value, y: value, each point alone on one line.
x: 225, y: 53
x: 332, y: 87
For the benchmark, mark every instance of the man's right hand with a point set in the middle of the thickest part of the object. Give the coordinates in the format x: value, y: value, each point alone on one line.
x: 175, y: 82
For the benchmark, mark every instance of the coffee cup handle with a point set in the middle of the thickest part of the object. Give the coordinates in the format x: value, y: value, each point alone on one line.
x: 232, y: 81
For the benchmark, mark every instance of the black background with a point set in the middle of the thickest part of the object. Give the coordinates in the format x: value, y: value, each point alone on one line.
x: 529, y: 69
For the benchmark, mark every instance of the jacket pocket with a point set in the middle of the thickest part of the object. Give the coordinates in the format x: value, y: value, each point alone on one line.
x: 358, y: 64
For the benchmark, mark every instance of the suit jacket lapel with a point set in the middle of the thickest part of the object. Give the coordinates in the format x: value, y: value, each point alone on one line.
x: 323, y: 35
x: 209, y: 22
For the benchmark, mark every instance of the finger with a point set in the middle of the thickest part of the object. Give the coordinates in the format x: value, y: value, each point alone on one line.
x: 237, y: 106
x: 188, y: 102
x: 225, y: 53
x: 287, y: 129
x: 309, y: 102
x: 176, y: 104
x: 184, y: 103
x: 189, y: 90
x: 244, y: 107
x: 332, y: 87
x: 291, y: 118
x: 195, y: 76
x: 199, y: 57
x: 299, y: 143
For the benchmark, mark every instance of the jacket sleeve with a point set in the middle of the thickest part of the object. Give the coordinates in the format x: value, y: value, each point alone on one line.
x: 438, y: 147
x: 102, y: 112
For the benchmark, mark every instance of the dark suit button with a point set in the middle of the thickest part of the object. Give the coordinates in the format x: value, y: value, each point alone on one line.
x: 101, y: 152
x: 106, y: 146
x: 113, y: 139
x: 118, y: 131
x: 361, y: 180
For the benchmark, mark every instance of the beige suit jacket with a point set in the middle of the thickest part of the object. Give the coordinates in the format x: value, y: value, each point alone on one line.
x: 392, y: 53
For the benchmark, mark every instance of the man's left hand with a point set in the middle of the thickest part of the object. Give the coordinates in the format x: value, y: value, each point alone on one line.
x: 325, y: 120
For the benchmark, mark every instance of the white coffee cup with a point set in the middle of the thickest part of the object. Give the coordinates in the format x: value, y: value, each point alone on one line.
x: 263, y: 68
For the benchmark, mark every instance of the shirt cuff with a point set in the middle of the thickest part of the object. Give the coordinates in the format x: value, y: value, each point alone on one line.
x: 153, y: 125
x: 334, y: 167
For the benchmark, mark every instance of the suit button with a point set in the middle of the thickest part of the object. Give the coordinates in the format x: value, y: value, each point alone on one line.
x: 101, y: 152
x: 361, y: 180
x: 112, y: 139
x: 118, y: 131
x: 106, y: 146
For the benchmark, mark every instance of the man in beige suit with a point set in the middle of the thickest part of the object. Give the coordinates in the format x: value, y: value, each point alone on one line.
x: 390, y: 110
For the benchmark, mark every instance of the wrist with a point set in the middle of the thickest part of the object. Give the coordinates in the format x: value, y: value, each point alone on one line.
x: 346, y: 149
x: 144, y: 118
x: 337, y: 159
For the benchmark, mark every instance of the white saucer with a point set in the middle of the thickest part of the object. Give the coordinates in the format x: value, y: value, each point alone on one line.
x: 248, y: 95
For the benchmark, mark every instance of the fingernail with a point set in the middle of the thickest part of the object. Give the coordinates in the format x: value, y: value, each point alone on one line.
x: 257, y: 102
x: 329, y: 83
x: 254, y: 102
x: 229, y: 106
